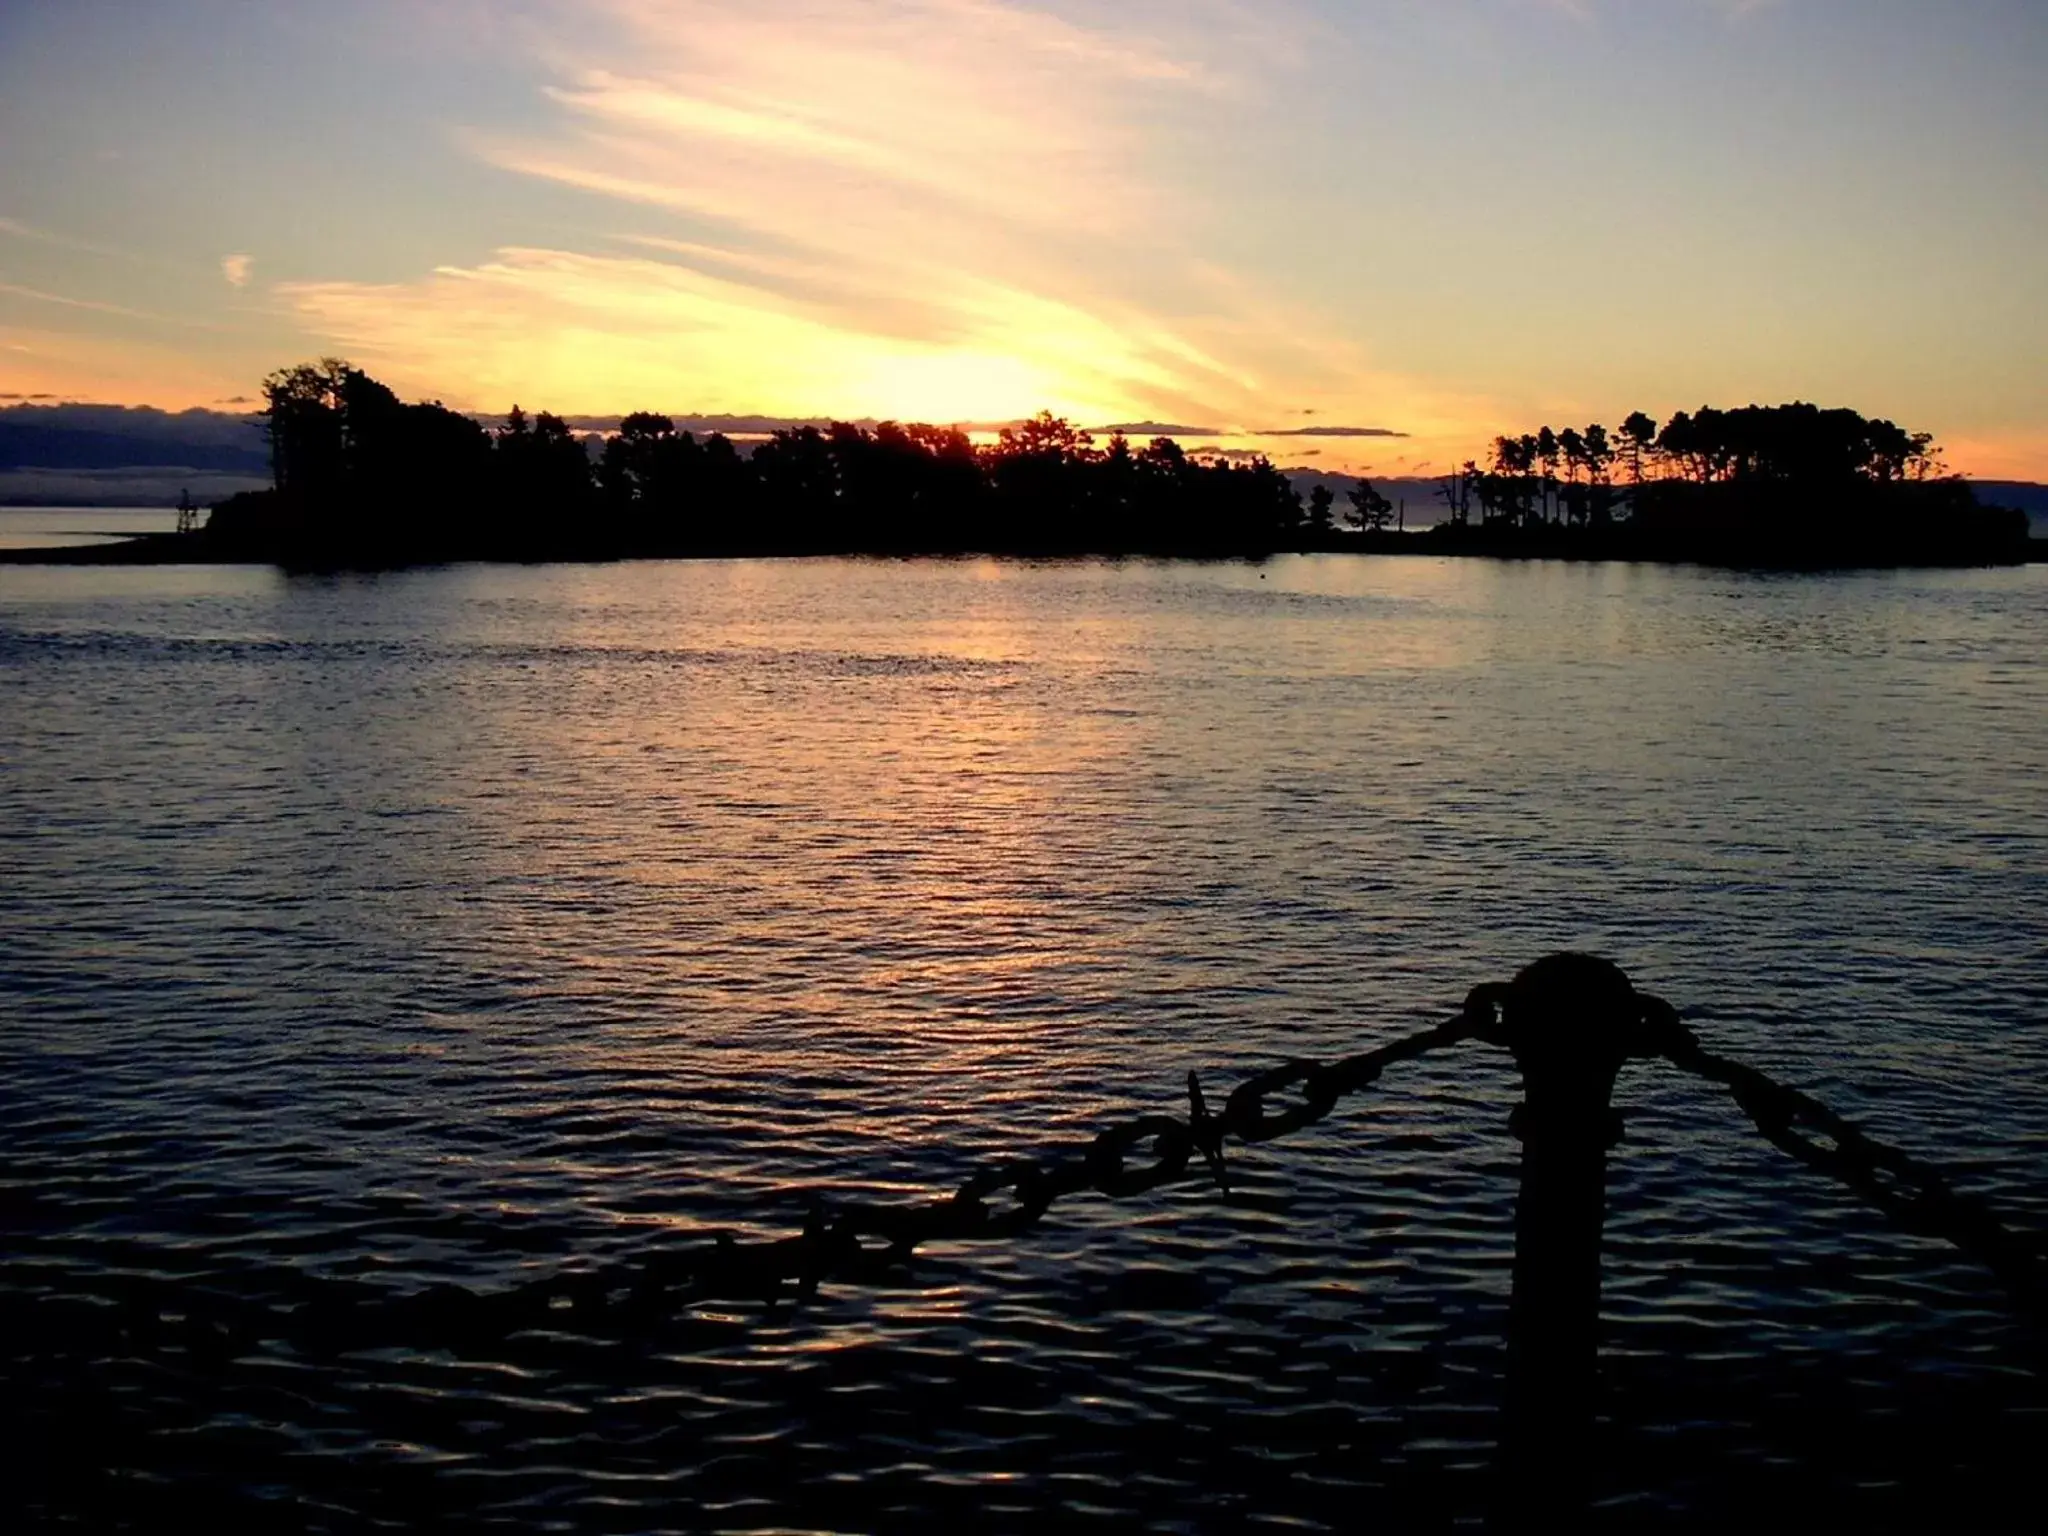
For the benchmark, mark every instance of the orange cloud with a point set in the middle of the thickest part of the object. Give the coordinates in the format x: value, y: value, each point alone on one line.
x: 583, y: 332
x: 941, y: 209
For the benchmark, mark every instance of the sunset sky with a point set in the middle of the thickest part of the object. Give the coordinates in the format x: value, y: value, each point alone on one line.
x: 1443, y: 219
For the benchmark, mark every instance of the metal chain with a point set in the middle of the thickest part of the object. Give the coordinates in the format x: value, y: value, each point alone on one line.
x: 861, y: 1241
x: 867, y: 1241
x: 1917, y: 1197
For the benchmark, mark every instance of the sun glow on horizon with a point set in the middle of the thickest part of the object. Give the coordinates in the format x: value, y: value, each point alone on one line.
x: 926, y: 210
x: 593, y: 335
x: 1176, y: 211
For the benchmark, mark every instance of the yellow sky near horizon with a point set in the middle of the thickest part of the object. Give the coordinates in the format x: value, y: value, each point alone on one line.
x: 953, y: 210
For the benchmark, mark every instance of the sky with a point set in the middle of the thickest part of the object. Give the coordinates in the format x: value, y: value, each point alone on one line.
x: 1363, y: 236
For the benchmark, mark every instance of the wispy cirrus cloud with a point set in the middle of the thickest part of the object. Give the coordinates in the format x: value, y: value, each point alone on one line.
x: 21, y: 230
x: 945, y: 209
x: 583, y: 330
x: 787, y: 118
x: 96, y: 306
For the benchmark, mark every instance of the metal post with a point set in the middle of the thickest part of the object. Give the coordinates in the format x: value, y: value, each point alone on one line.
x: 1568, y: 1020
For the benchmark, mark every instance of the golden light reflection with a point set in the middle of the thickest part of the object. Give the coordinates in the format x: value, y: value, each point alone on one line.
x: 877, y: 800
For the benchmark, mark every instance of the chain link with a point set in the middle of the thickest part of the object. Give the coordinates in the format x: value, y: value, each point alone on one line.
x: 1917, y: 1197
x: 872, y: 1242
x: 851, y: 1240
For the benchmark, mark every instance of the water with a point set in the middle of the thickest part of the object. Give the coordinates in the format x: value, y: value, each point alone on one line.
x: 53, y: 527
x: 470, y: 924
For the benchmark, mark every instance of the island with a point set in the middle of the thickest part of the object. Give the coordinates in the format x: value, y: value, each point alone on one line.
x: 361, y: 478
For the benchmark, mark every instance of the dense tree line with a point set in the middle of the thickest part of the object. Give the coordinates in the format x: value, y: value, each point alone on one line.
x: 1788, y: 484
x: 360, y: 474
x: 1591, y: 477
x: 363, y: 477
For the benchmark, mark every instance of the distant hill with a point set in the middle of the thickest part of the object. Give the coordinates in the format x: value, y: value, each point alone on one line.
x: 117, y: 437
x: 119, y: 456
x: 2029, y: 497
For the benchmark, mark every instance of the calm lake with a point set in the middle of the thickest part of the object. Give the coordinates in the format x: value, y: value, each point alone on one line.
x: 51, y: 527
x: 472, y: 923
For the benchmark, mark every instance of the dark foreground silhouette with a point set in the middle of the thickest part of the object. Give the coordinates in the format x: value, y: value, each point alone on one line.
x: 658, y: 1381
x: 1788, y: 486
x: 361, y: 478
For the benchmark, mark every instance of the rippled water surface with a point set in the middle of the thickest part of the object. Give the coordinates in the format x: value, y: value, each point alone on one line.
x: 471, y: 924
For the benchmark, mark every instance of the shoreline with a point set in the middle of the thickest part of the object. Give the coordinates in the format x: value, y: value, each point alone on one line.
x: 1445, y: 539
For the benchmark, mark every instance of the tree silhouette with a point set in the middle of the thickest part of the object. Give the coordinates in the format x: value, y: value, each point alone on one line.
x: 1599, y: 454
x: 302, y: 420
x: 361, y: 476
x: 1320, y: 501
x: 1369, y: 509
x: 1639, y: 431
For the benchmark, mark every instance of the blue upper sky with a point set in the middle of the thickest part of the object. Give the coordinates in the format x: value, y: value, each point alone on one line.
x: 1447, y: 218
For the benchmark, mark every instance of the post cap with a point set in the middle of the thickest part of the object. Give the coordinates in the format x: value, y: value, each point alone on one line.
x: 1570, y: 1007
x: 1574, y: 983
